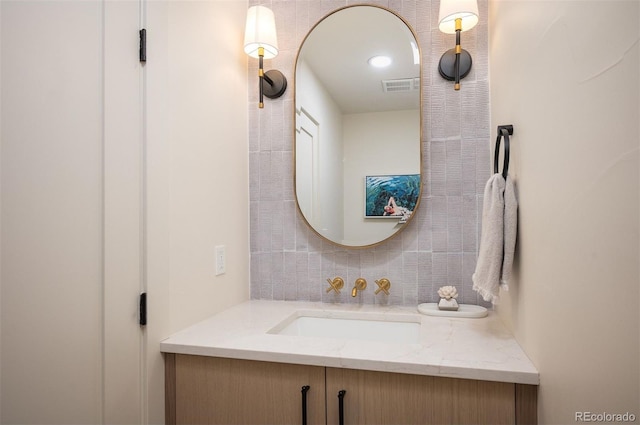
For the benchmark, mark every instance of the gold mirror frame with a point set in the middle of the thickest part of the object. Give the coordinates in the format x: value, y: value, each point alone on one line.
x: 400, y: 227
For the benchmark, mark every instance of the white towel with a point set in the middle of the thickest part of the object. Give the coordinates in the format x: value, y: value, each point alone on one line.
x: 497, y: 243
x: 510, y: 230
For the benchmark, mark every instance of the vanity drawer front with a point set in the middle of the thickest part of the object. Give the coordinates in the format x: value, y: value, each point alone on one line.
x: 211, y: 390
x: 393, y: 398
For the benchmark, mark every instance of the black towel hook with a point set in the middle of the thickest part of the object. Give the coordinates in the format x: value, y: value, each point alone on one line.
x: 503, y: 131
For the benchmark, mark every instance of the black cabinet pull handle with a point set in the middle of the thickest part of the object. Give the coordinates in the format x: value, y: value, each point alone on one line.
x: 304, y: 404
x: 341, y: 394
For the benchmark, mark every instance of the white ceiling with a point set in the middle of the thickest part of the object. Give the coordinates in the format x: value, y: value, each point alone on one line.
x: 338, y: 50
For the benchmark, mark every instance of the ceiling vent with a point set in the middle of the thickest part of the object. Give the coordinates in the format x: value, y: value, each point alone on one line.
x: 400, y: 85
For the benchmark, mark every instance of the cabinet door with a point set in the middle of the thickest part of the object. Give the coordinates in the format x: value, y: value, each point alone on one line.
x: 392, y: 398
x: 211, y: 390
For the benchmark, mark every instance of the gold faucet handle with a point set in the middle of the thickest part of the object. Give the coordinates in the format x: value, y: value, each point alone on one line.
x: 383, y: 285
x: 336, y: 284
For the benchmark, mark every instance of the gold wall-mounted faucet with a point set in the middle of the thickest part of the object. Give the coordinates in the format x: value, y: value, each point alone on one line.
x: 383, y: 285
x: 360, y: 285
x: 336, y: 284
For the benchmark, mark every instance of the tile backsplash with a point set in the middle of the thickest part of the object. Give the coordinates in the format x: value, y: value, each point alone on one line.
x: 439, y: 246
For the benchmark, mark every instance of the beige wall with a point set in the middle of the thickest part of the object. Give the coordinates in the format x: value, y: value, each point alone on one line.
x: 197, y: 169
x: 565, y: 74
x: 198, y: 163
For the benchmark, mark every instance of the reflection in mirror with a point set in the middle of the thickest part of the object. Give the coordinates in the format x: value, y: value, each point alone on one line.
x: 357, y: 137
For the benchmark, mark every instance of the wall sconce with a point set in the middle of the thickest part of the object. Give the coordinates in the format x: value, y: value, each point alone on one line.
x: 260, y: 41
x: 456, y: 16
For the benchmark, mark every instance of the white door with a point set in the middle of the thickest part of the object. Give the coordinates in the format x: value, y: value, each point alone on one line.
x: 71, y: 213
x: 307, y: 156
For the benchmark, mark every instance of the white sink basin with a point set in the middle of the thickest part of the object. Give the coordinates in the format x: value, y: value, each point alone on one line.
x: 403, y: 329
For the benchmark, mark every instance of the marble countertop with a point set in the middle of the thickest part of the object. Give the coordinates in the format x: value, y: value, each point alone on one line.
x: 480, y: 349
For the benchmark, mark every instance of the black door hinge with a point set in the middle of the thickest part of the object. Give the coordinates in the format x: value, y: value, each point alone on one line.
x: 143, y: 45
x: 143, y: 309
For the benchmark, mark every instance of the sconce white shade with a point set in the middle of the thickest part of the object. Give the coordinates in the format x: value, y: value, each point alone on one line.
x: 260, y: 31
x: 450, y: 10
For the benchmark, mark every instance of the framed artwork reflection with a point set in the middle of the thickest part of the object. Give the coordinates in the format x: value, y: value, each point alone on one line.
x: 391, y: 196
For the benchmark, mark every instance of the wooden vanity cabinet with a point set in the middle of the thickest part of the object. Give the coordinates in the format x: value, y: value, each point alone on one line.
x: 210, y: 390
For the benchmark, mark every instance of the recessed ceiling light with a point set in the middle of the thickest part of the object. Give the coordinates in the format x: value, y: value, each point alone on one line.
x: 380, y: 61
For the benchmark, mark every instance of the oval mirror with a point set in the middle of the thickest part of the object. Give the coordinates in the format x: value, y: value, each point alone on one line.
x: 357, y: 143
